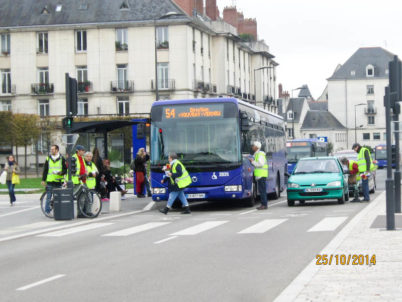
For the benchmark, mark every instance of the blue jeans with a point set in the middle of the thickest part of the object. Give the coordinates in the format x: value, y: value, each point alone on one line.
x: 173, y: 195
x: 366, y: 190
x: 146, y: 186
x: 11, y: 187
x: 262, y: 189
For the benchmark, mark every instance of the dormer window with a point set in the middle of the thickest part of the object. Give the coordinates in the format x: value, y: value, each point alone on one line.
x: 58, y: 8
x: 124, y: 6
x: 290, y: 115
x: 45, y: 11
x: 370, y: 71
x: 352, y: 73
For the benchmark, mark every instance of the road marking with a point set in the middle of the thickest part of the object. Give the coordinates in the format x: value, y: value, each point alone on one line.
x: 199, y: 228
x: 164, y: 240
x: 149, y: 206
x: 20, y: 211
x: 137, y: 229
x: 328, y: 224
x: 262, y: 226
x: 247, y: 212
x: 291, y: 292
x: 75, y: 230
x: 40, y: 282
x: 35, y: 225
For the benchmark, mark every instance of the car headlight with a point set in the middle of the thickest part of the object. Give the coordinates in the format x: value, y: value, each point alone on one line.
x: 334, y: 184
x: 159, y: 190
x: 293, y: 185
x: 233, y: 188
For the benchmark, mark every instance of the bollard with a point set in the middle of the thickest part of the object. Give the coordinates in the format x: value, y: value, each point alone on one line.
x: 115, y: 202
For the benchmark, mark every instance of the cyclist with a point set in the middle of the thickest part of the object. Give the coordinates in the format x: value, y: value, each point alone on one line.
x: 53, y: 173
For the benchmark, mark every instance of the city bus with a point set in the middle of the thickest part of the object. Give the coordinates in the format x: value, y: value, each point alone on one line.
x: 381, y: 156
x: 212, y: 138
x: 300, y: 148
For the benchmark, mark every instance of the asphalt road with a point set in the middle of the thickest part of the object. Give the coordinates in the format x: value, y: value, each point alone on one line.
x: 222, y: 252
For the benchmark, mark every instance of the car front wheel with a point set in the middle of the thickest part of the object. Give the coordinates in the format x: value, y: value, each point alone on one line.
x: 291, y: 203
x: 342, y: 199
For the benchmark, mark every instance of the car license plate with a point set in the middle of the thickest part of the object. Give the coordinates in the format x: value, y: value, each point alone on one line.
x: 313, y: 190
x: 195, y: 196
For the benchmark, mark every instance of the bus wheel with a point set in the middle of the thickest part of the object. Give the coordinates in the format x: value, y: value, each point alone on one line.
x: 250, y: 202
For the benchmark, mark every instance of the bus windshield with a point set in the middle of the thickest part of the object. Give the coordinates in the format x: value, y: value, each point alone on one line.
x: 198, y: 136
x: 381, y: 153
x: 295, y: 153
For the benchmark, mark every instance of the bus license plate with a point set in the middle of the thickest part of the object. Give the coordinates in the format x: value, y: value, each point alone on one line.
x: 195, y: 196
x: 313, y: 190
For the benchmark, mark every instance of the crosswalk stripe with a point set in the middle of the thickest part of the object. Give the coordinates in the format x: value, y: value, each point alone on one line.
x: 31, y: 226
x: 137, y: 229
x: 328, y: 224
x: 199, y: 228
x: 75, y: 230
x: 262, y: 226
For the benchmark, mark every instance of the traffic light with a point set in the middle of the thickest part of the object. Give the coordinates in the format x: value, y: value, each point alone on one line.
x: 73, y: 165
x: 68, y: 123
x: 71, y: 96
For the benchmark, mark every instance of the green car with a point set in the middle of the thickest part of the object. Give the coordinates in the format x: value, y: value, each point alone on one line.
x: 318, y: 178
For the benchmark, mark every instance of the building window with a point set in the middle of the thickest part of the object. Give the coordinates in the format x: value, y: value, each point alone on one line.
x: 370, y: 107
x: 376, y: 136
x: 163, y: 75
x: 43, y: 76
x: 5, y: 105
x: 5, y: 44
x: 290, y: 115
x: 194, y: 43
x: 370, y: 89
x: 82, y: 107
x: 121, y: 39
x: 5, y: 81
x: 43, y: 108
x: 202, y: 44
x: 81, y: 40
x: 370, y: 71
x: 366, y: 136
x: 371, y: 120
x: 82, y: 74
x: 209, y: 46
x: 122, y: 83
x: 234, y: 52
x: 123, y: 106
x: 384, y: 135
x: 162, y: 37
x: 42, y: 43
x: 44, y: 143
x: 352, y: 73
x: 227, y: 50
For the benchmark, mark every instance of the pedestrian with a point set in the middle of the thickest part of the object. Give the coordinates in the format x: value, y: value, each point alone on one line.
x: 80, y: 175
x: 53, y: 173
x: 259, y: 161
x: 92, y: 171
x: 178, y: 179
x: 97, y: 159
x: 354, y: 177
x: 110, y: 181
x: 365, y: 163
x: 140, y: 170
x: 12, y: 169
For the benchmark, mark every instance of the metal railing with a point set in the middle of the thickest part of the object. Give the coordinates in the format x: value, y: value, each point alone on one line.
x: 84, y: 87
x: 164, y: 84
x: 122, y: 86
x: 42, y: 88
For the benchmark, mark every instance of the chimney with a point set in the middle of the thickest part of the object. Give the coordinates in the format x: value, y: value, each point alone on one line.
x: 186, y: 5
x: 230, y: 16
x: 211, y: 9
x: 280, y: 89
x: 199, y: 6
x: 248, y: 26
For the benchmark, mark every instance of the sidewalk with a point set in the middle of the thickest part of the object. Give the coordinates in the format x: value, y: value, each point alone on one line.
x: 364, y: 234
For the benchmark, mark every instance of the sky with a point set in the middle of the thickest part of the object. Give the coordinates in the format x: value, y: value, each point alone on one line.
x: 309, y: 38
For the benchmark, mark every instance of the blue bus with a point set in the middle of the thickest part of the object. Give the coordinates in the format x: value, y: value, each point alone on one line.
x: 212, y: 138
x: 300, y: 148
x: 381, y: 156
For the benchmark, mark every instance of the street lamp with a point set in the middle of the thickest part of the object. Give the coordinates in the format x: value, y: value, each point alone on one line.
x: 293, y: 113
x: 167, y: 15
x: 361, y: 104
x: 255, y: 82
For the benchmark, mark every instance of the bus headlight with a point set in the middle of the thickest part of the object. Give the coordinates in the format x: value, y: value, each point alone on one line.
x: 233, y: 188
x: 293, y: 185
x: 334, y: 184
x: 159, y: 190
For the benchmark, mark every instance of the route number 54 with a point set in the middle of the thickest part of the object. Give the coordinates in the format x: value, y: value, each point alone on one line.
x: 170, y: 113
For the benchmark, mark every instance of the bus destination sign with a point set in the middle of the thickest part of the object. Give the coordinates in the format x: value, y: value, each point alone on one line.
x: 191, y: 111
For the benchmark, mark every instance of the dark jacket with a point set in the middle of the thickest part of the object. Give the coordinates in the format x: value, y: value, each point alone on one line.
x: 173, y: 187
x: 46, y: 167
x: 139, y: 164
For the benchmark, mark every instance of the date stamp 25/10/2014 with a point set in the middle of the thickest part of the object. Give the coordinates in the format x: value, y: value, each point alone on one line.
x: 344, y: 259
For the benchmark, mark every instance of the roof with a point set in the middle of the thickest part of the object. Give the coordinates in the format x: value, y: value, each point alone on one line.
x: 318, y: 105
x: 305, y: 92
x: 376, y: 56
x: 103, y: 126
x: 295, y: 105
x: 43, y: 12
x: 320, y: 120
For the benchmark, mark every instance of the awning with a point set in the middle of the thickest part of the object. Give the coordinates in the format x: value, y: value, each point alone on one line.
x: 104, y: 126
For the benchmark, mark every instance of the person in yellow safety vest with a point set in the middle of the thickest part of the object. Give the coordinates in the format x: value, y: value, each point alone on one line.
x: 81, y: 167
x: 354, y: 176
x: 365, y: 163
x: 53, y: 173
x: 260, y: 164
x: 178, y: 179
x: 92, y: 171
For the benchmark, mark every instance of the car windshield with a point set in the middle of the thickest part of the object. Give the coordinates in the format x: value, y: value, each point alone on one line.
x: 309, y: 166
x: 295, y: 153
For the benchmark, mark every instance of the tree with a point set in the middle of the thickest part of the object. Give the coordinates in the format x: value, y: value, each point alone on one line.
x: 6, y: 124
x: 26, y: 132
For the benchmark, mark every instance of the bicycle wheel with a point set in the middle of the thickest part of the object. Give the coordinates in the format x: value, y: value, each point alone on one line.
x: 43, y: 205
x: 89, y: 204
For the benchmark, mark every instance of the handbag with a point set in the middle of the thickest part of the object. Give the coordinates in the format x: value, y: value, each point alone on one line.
x: 3, y: 177
x: 15, y: 179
